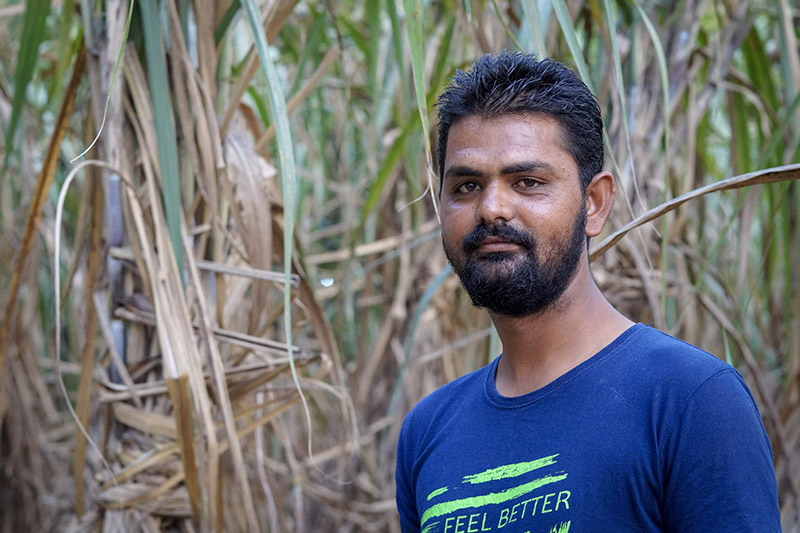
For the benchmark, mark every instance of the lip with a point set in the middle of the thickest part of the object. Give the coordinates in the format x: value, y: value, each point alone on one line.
x: 496, y: 244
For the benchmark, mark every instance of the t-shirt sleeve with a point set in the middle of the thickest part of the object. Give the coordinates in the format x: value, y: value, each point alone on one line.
x: 404, y: 496
x: 718, y: 473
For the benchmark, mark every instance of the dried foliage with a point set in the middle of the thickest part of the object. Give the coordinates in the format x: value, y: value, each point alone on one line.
x: 164, y: 396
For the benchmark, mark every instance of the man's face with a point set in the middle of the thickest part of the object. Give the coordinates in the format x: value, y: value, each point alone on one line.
x: 513, y: 212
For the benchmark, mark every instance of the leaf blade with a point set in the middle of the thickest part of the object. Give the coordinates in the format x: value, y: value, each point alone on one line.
x: 34, y: 29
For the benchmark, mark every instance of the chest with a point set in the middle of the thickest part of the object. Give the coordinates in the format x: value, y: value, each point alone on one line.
x: 555, y: 469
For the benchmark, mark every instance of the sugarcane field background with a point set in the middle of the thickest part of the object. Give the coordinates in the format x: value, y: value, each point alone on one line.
x: 221, y: 277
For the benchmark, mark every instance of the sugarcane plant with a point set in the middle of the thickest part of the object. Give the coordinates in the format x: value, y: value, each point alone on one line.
x: 222, y: 284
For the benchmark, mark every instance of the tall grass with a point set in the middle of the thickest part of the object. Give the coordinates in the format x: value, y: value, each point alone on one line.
x: 203, y: 281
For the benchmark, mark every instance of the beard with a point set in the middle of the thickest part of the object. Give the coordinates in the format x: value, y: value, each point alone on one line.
x: 513, y: 283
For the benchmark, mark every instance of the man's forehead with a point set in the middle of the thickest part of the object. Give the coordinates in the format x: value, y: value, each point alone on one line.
x: 514, y: 135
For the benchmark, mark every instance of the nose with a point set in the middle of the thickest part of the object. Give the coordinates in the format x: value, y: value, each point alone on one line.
x: 495, y: 205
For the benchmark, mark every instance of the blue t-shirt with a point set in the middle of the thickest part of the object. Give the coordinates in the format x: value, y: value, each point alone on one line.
x: 650, y: 434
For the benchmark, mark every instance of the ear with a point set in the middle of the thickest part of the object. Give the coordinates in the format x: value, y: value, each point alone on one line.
x: 599, y: 199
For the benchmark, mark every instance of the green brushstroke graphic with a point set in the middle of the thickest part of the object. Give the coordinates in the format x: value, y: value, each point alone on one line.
x: 436, y: 493
x: 507, y: 471
x: 560, y: 528
x: 429, y: 527
x: 488, y: 499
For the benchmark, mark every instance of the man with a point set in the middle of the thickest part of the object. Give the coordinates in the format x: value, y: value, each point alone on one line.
x: 587, y: 422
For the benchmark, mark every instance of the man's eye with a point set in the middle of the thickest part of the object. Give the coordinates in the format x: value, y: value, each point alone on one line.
x: 466, y: 187
x: 528, y: 183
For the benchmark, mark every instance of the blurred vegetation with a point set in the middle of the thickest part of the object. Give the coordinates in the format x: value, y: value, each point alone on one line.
x: 256, y: 220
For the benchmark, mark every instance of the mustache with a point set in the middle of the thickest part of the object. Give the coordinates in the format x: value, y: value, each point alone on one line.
x: 501, y: 231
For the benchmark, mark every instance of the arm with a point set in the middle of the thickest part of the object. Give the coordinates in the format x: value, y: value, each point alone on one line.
x: 717, y: 463
x: 405, y: 495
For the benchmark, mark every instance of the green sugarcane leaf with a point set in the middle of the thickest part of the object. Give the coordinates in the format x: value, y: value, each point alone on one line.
x: 34, y: 30
x: 390, y: 161
x: 397, y: 42
x: 224, y: 24
x: 164, y: 124
x: 65, y: 47
x: 414, y: 31
x: 777, y: 134
x: 530, y: 9
x: 283, y: 135
x: 562, y: 14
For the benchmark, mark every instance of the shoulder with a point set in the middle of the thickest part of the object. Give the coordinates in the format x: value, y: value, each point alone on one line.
x: 664, y: 376
x: 660, y: 347
x: 715, y: 457
x: 453, y: 396
x: 431, y: 419
x: 657, y: 357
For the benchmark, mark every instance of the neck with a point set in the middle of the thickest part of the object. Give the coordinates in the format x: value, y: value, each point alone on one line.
x: 539, y: 348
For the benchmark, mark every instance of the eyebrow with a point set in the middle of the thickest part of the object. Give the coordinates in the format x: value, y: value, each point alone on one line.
x: 527, y: 166
x: 514, y: 168
x: 462, y: 171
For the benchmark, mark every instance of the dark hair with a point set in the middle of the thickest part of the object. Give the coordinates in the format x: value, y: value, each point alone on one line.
x: 512, y: 83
